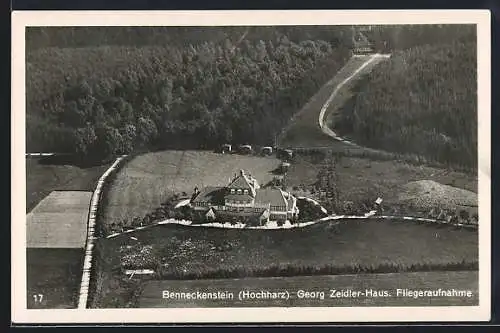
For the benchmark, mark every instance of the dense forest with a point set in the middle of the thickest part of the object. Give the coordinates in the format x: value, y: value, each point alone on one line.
x: 390, y: 37
x: 101, y: 101
x: 422, y: 101
x: 41, y: 37
x: 100, y: 91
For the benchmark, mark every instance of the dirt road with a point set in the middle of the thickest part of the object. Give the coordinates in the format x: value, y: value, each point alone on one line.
x: 364, y: 68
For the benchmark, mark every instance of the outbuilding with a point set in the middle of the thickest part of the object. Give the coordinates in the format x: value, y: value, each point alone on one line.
x: 245, y: 149
x: 266, y: 151
x: 226, y: 148
x: 284, y: 167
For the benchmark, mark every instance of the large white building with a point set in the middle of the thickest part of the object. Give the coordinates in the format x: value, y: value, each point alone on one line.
x: 244, y: 199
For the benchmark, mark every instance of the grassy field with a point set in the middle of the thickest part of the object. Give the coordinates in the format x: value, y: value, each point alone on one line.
x: 41, y: 179
x: 148, y: 180
x: 360, y: 178
x: 303, y: 130
x: 190, y: 253
x: 55, y: 274
x: 152, y: 293
x: 59, y: 221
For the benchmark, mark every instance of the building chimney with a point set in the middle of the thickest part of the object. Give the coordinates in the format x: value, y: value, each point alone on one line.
x: 242, y: 173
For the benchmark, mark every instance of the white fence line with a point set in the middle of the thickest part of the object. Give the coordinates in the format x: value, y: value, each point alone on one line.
x: 87, y: 262
x: 369, y: 215
x: 40, y: 154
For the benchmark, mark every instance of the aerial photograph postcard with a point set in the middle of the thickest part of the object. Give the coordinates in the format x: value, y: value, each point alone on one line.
x: 236, y: 167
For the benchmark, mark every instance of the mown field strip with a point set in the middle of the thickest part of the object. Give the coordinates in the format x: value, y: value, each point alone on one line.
x: 369, y: 284
x: 87, y: 263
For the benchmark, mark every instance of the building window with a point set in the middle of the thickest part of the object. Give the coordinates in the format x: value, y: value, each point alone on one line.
x: 239, y: 191
x: 232, y: 191
x: 245, y: 191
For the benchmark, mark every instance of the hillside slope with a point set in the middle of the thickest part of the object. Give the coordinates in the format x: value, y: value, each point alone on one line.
x: 423, y: 101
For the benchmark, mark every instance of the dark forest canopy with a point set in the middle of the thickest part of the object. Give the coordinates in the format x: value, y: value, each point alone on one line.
x: 100, y: 101
x: 38, y: 37
x: 423, y: 101
x: 395, y: 36
x: 99, y: 91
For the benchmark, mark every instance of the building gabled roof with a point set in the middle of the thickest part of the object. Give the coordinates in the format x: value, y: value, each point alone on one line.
x: 210, y: 194
x: 240, y: 182
x: 271, y: 196
x: 244, y: 182
x: 240, y: 197
x: 210, y: 213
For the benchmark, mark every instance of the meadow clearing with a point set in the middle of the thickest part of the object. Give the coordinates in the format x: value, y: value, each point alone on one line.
x: 365, y: 179
x: 56, y: 231
x: 355, y: 246
x: 55, y: 272
x: 43, y: 178
x: 146, y: 181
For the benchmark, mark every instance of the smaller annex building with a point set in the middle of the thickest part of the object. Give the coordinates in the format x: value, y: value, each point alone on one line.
x: 243, y: 200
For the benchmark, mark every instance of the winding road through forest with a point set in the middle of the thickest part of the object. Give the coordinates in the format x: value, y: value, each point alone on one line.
x: 370, y: 63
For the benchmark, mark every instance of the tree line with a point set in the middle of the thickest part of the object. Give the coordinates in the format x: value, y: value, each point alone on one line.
x: 388, y: 37
x: 197, y: 96
x: 100, y: 91
x: 64, y: 37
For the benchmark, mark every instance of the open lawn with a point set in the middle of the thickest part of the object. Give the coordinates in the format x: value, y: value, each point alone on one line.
x: 378, y: 246
x: 148, y: 180
x: 56, y: 231
x: 361, y: 178
x: 368, y: 284
x: 41, y: 179
x: 59, y: 221
x: 54, y: 262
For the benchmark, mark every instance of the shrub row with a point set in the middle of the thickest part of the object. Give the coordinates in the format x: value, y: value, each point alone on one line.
x: 284, y: 270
